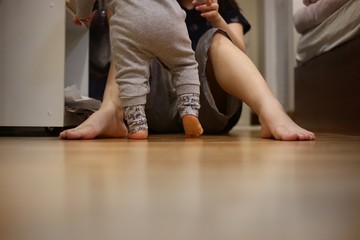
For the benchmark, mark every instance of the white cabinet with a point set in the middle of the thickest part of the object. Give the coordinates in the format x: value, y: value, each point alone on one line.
x: 41, y: 52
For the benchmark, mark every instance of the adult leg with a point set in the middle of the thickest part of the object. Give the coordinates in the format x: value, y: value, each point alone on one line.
x: 237, y: 75
x: 108, y: 121
x: 240, y: 80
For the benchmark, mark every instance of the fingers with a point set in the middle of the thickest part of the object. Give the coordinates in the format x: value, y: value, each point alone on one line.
x: 208, y: 2
x: 203, y: 2
x: 208, y: 10
x: 80, y: 22
x: 76, y: 20
x: 200, y: 1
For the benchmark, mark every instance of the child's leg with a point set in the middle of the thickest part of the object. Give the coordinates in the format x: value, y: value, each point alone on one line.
x: 188, y: 106
x: 173, y: 48
x: 136, y: 121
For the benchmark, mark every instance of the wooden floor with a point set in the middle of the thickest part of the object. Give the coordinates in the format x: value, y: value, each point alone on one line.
x: 217, y: 187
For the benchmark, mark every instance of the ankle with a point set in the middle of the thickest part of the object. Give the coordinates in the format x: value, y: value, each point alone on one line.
x: 269, y: 110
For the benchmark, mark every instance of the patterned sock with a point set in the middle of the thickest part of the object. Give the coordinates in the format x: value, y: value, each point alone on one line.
x: 135, y: 118
x: 189, y: 104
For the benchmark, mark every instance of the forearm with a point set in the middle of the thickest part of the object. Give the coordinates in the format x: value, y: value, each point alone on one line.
x: 84, y: 8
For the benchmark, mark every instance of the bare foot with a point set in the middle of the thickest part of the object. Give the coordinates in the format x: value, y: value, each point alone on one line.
x: 192, y: 126
x: 108, y: 121
x: 275, y: 123
x: 139, y: 135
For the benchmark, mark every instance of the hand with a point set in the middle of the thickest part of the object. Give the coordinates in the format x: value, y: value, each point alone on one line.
x: 209, y: 10
x: 199, y: 2
x: 80, y: 22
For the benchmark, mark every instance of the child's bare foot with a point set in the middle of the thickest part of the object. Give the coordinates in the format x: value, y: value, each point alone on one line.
x: 136, y: 120
x: 275, y: 123
x: 108, y: 121
x: 192, y: 126
x: 139, y: 135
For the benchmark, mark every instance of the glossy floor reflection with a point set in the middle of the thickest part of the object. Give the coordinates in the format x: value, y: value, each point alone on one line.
x: 217, y: 187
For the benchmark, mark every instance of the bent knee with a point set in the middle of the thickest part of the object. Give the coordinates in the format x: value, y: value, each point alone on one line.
x: 220, y: 40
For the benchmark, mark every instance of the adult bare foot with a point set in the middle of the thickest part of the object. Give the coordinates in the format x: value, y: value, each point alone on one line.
x: 107, y: 122
x: 275, y: 123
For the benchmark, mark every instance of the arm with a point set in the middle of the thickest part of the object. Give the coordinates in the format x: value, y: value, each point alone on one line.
x: 210, y: 11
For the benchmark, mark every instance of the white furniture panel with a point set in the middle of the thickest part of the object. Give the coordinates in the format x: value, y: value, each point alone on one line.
x: 41, y: 52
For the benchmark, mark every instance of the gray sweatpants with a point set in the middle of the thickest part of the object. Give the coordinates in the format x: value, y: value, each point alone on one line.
x: 141, y: 30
